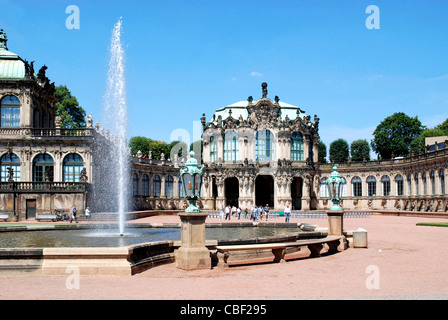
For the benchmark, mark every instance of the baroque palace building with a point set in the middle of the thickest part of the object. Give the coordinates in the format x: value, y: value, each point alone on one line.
x: 266, y: 152
x: 255, y: 152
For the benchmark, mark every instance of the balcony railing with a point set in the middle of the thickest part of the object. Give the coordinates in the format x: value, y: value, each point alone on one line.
x: 54, y: 132
x: 42, y: 187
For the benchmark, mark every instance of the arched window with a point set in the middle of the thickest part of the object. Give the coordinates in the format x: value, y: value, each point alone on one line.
x: 10, y: 112
x: 9, y: 161
x: 371, y: 186
x: 344, y: 187
x: 424, y: 183
x: 213, y: 150
x: 357, y: 187
x: 416, y: 184
x: 43, y: 168
x: 169, y: 182
x: 399, y: 185
x: 323, y: 190
x: 156, y: 186
x: 432, y: 180
x: 145, y: 185
x: 296, y: 147
x: 409, y: 185
x: 181, y: 190
x: 385, y: 183
x: 72, y: 167
x: 231, y: 146
x: 442, y: 182
x: 263, y: 146
x: 135, y: 185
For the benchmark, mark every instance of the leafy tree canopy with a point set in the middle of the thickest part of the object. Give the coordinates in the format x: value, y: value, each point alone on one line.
x: 139, y: 143
x: 360, y: 150
x: 339, y: 151
x: 395, y: 134
x: 322, y: 152
x: 73, y: 116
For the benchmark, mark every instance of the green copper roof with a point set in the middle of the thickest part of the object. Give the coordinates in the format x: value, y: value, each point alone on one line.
x: 11, y: 66
x: 239, y: 108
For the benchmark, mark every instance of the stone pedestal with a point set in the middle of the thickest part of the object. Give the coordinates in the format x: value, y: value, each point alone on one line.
x: 193, y: 254
x: 336, y: 226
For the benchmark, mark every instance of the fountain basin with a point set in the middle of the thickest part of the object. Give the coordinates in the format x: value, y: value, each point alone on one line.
x: 126, y: 259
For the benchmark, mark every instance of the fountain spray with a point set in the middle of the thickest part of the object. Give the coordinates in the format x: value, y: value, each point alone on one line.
x: 116, y: 111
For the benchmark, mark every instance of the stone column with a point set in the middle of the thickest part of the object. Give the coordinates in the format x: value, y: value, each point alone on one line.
x: 193, y: 254
x: 336, y: 227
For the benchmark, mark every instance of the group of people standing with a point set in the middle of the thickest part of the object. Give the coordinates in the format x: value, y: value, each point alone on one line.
x: 254, y: 213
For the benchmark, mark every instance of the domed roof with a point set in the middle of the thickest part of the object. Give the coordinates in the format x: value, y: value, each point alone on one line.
x: 11, y: 65
x: 239, y: 108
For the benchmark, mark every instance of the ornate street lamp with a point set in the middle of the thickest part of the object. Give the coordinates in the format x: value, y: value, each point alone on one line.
x: 336, y: 214
x: 334, y: 186
x: 191, y: 177
x: 192, y: 254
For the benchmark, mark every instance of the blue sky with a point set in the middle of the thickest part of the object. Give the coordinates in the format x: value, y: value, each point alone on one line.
x: 188, y: 57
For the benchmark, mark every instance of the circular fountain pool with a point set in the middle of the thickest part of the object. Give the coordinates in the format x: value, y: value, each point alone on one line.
x: 110, y: 237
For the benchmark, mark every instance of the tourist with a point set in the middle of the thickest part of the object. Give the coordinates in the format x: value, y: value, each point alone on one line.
x: 287, y: 212
x: 73, y: 216
x: 238, y: 212
x: 88, y: 214
x: 260, y: 212
x: 254, y: 213
x: 266, y: 210
x: 221, y: 214
x: 234, y: 211
x: 227, y: 212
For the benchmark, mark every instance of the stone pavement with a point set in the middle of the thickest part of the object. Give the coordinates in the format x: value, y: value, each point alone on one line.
x: 402, y: 261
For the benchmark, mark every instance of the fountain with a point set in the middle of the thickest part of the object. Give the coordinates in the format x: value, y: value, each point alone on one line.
x: 116, y: 120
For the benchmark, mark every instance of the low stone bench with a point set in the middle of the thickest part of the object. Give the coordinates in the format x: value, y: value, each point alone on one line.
x: 4, y: 216
x: 279, y: 249
x: 51, y: 217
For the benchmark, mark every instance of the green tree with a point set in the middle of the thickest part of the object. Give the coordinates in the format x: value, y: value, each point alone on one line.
x: 444, y: 127
x: 360, y: 150
x: 73, y: 116
x: 339, y: 151
x: 322, y: 152
x: 139, y: 143
x: 419, y: 142
x: 395, y: 134
x: 158, y: 147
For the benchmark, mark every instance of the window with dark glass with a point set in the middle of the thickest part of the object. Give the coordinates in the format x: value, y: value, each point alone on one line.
x: 263, y: 146
x: 169, y: 182
x: 7, y: 162
x: 357, y: 187
x: 43, y: 167
x: 231, y: 146
x: 156, y: 186
x: 371, y: 186
x: 72, y: 167
x: 10, y: 112
x: 296, y: 147
x: 145, y: 186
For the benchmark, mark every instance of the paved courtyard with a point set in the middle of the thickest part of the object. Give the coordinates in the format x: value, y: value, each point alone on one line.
x: 403, y: 261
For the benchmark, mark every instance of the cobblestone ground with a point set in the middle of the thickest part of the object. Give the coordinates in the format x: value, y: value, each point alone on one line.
x: 402, y: 261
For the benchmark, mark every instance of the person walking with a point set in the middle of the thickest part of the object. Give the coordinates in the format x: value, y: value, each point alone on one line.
x: 227, y: 212
x: 254, y: 212
x: 88, y: 216
x: 287, y: 212
x: 73, y: 216
x: 266, y: 211
x: 238, y: 212
x: 221, y: 214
